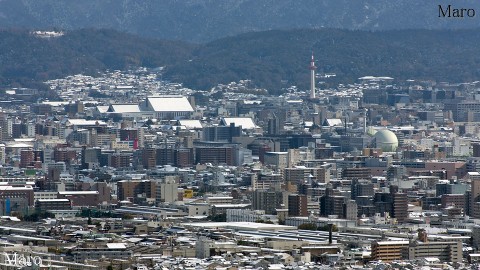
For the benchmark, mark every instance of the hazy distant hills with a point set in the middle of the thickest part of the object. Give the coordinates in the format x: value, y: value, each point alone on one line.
x: 272, y: 59
x: 206, y: 20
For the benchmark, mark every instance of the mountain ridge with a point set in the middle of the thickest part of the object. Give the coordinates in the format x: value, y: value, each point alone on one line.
x: 272, y: 59
x: 207, y: 20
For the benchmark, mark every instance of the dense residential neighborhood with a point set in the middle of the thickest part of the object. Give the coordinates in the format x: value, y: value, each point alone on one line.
x: 128, y: 171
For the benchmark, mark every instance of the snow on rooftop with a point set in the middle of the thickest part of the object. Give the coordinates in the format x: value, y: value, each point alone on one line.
x: 240, y: 225
x: 11, y: 218
x: 5, y: 188
x: 116, y: 245
x: 53, y: 200
x: 393, y: 242
x: 169, y: 103
x: 56, y: 103
x: 245, y: 122
x: 102, y: 109
x: 331, y: 122
x: 373, y: 78
x: 19, y: 145
x: 252, y: 102
x: 191, y: 124
x: 123, y: 108
x: 83, y: 122
x: 78, y: 192
x: 308, y: 123
x: 24, y: 139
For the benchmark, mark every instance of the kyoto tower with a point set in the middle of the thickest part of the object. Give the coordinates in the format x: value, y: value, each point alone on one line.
x: 312, y: 77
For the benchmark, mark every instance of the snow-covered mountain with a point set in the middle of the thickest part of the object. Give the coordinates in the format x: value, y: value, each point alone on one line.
x: 205, y: 20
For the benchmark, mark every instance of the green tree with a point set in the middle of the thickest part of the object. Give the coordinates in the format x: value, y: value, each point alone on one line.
x: 308, y: 226
x: 218, y: 218
x: 325, y: 228
x: 127, y: 216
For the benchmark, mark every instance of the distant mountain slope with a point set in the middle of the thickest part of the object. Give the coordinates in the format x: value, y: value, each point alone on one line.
x: 206, y: 20
x: 25, y: 58
x: 272, y: 59
x: 268, y: 58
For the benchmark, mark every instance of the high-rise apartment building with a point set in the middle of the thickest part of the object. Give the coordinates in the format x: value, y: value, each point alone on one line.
x: 474, y: 194
x: 297, y: 205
